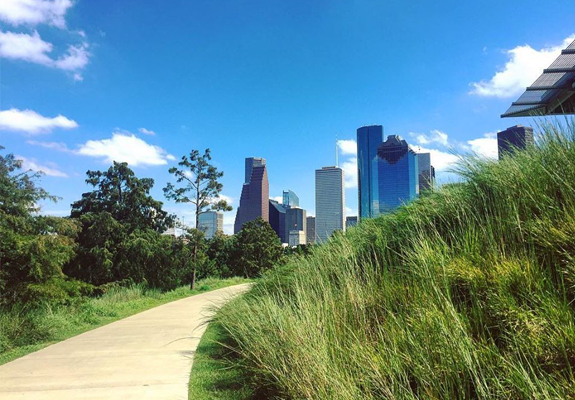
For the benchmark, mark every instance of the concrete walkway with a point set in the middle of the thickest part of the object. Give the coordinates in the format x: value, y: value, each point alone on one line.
x: 145, y: 356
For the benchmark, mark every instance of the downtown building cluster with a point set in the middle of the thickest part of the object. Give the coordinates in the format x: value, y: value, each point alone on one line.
x: 390, y: 173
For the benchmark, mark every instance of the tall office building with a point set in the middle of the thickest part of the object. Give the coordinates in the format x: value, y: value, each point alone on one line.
x: 252, y: 162
x: 329, y: 202
x: 516, y: 137
x: 278, y: 220
x: 296, y: 220
x: 426, y: 171
x: 310, y: 231
x: 350, y: 221
x: 398, y: 173
x: 210, y: 223
x: 290, y: 199
x: 296, y: 238
x: 368, y: 139
x: 254, y: 200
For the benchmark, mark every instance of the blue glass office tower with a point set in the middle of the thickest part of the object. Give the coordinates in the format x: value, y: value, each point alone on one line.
x: 398, y: 173
x: 368, y: 140
x: 290, y: 199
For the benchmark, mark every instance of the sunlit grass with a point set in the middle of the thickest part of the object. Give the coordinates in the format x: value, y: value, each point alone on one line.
x: 467, y: 293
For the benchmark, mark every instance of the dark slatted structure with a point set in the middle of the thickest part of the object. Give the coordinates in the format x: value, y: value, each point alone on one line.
x: 553, y: 93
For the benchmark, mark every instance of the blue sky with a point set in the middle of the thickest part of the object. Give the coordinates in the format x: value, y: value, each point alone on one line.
x: 84, y: 82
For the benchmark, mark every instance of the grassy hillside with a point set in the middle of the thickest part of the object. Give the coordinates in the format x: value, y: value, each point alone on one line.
x: 24, y: 330
x: 467, y: 293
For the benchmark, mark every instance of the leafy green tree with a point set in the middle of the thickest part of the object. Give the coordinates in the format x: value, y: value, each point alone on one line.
x: 257, y: 248
x: 33, y: 249
x: 125, y: 197
x: 218, y: 252
x: 199, y: 186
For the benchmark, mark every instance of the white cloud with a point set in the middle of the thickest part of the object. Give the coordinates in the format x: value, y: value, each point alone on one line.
x: 279, y: 199
x: 30, y: 164
x: 145, y: 131
x: 525, y: 64
x: 350, y: 212
x: 58, y: 146
x: 76, y: 58
x: 228, y: 199
x: 21, y: 46
x: 34, y: 12
x: 347, y: 147
x: 125, y: 148
x: 229, y: 219
x: 350, y: 171
x: 435, y: 136
x: 31, y: 48
x: 31, y: 122
x: 485, y: 146
x: 441, y: 160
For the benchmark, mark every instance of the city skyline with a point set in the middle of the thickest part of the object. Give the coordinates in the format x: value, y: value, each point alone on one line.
x: 98, y: 85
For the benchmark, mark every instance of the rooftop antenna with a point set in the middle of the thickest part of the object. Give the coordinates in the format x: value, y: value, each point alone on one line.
x: 336, y: 161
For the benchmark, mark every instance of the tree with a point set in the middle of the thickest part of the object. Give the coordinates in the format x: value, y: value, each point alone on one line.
x: 257, y: 248
x: 127, y: 198
x: 33, y: 248
x: 199, y: 186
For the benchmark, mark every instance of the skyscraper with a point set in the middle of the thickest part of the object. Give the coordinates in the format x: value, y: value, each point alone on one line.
x: 296, y: 220
x: 329, y: 202
x: 516, y: 137
x: 350, y: 221
x: 398, y: 173
x: 252, y: 162
x: 210, y: 223
x: 426, y: 171
x: 368, y: 138
x: 254, y: 200
x: 290, y: 199
x: 310, y: 231
x: 278, y: 220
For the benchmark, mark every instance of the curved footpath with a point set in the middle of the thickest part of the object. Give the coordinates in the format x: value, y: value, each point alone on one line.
x: 146, y: 356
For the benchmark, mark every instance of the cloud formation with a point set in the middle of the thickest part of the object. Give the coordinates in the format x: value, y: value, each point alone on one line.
x: 31, y: 122
x: 145, y: 131
x: 350, y: 172
x: 31, y: 48
x: 34, y: 12
x: 435, y: 136
x: 30, y: 164
x: 126, y: 148
x: 347, y: 147
x: 523, y: 67
x: 485, y: 146
x: 58, y: 146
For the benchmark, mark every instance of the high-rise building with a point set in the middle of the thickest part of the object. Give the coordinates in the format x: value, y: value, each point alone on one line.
x: 310, y: 231
x: 368, y: 139
x: 296, y: 238
x: 252, y: 162
x: 426, y: 171
x: 398, y: 173
x: 254, y: 200
x: 516, y: 137
x: 290, y: 199
x: 350, y: 221
x: 296, y: 220
x: 278, y: 220
x: 329, y: 202
x: 210, y: 223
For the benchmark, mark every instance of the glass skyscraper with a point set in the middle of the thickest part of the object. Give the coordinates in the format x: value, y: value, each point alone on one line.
x: 290, y: 199
x: 426, y: 171
x: 368, y: 139
x: 278, y: 220
x: 398, y: 173
x: 329, y: 202
x: 210, y: 223
x: 252, y: 162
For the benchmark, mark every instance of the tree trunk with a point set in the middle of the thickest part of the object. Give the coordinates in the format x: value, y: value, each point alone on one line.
x: 194, y: 260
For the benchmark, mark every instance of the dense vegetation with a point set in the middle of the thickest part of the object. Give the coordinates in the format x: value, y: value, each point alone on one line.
x: 467, y: 293
x: 112, y: 240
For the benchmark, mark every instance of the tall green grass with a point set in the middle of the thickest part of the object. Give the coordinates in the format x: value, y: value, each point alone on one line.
x: 467, y: 293
x: 26, y: 329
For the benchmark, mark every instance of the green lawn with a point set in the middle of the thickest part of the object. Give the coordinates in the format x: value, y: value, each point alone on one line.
x: 213, y: 376
x: 25, y: 331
